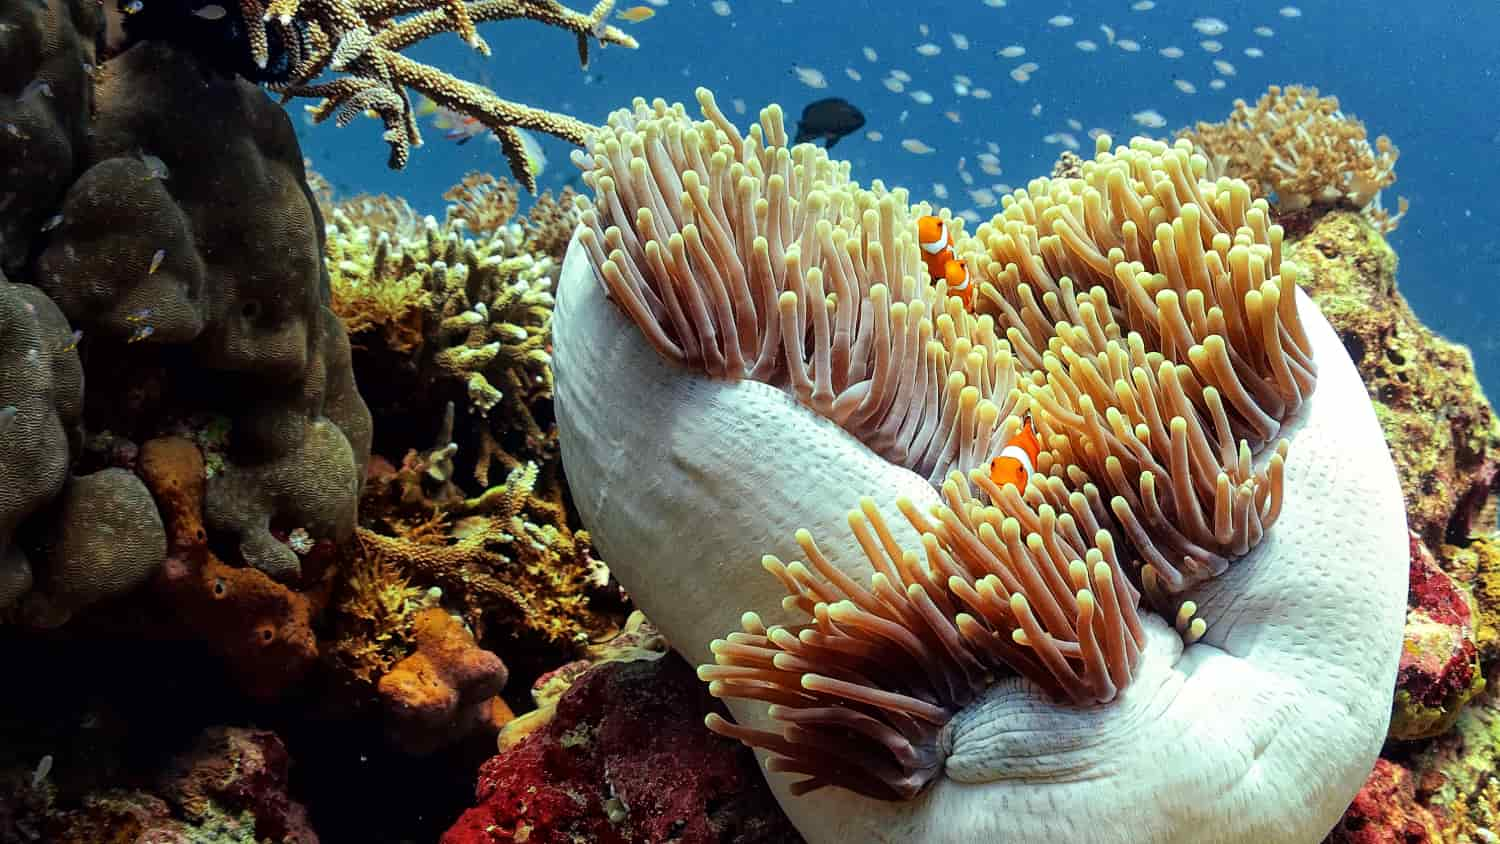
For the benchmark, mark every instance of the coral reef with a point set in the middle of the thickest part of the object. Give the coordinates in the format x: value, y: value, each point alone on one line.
x: 1386, y: 812
x: 1131, y: 312
x: 41, y: 401
x: 106, y: 539
x: 1445, y: 442
x: 624, y: 758
x: 260, y: 627
x: 638, y: 639
x: 1306, y: 153
x: 215, y: 373
x: 509, y: 560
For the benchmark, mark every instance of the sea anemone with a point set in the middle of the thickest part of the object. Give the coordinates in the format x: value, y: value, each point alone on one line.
x: 747, y: 346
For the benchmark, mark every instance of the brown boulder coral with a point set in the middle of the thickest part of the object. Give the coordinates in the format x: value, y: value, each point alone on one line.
x: 197, y: 275
x: 46, y: 95
x: 41, y: 400
x: 769, y: 351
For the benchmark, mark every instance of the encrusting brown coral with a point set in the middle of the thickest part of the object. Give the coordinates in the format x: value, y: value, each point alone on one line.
x: 1141, y: 315
x: 365, y: 39
x: 1304, y: 151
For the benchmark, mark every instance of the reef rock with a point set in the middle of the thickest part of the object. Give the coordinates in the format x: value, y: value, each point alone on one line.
x: 1439, y: 671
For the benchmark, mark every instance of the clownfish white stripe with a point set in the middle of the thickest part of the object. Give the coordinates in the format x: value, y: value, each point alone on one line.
x: 1019, y: 454
x: 937, y: 245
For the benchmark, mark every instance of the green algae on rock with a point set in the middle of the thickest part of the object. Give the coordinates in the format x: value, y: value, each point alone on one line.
x: 1445, y: 438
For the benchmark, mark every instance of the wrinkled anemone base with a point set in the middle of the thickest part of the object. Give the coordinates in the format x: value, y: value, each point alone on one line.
x: 1261, y: 732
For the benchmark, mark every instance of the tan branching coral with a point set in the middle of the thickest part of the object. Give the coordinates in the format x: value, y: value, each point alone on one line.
x: 364, y: 40
x: 1303, y: 150
x: 463, y: 310
x: 1139, y: 311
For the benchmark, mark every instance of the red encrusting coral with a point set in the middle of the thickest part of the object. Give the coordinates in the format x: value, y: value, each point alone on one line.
x: 1386, y: 812
x: 625, y: 759
x: 1439, y: 671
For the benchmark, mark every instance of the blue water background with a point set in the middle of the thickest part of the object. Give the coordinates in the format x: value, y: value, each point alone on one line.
x: 1423, y: 73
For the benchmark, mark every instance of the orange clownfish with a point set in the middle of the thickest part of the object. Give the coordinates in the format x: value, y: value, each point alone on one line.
x: 937, y: 245
x: 1015, y: 463
x: 956, y: 273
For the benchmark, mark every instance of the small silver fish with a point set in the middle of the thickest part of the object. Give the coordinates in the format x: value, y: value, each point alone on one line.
x: 211, y: 12
x: 52, y: 222
x: 156, y: 259
x: 43, y: 768
x: 155, y: 167
x: 35, y: 87
x: 141, y: 332
x: 132, y: 7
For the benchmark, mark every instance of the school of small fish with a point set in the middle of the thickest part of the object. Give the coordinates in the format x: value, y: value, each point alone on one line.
x: 995, y: 58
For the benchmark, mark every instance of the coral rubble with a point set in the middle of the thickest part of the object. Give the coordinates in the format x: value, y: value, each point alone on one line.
x: 230, y: 786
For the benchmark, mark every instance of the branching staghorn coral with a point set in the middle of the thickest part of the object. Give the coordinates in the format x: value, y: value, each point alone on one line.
x: 1303, y: 149
x: 769, y: 354
x: 364, y: 39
